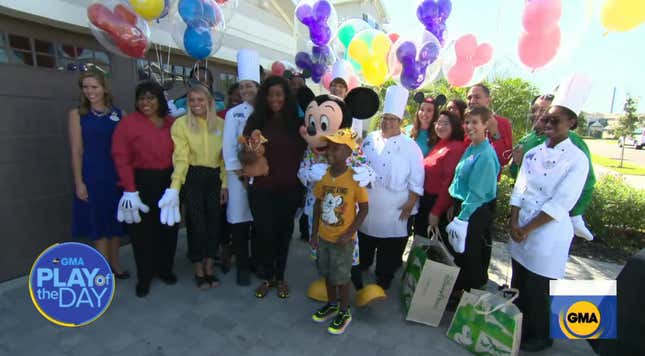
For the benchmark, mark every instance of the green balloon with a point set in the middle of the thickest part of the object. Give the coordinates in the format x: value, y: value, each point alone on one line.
x: 345, y: 34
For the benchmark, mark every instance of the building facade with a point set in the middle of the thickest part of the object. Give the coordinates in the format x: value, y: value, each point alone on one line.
x: 43, y: 47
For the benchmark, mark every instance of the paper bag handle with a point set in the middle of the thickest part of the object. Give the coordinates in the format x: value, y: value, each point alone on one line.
x: 508, y: 301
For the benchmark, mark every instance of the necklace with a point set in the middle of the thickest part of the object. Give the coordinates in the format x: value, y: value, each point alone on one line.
x: 99, y: 113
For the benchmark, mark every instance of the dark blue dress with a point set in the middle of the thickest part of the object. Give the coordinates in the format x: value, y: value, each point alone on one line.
x: 97, y: 217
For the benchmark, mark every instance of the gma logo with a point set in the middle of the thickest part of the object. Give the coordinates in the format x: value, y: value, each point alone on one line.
x: 581, y: 321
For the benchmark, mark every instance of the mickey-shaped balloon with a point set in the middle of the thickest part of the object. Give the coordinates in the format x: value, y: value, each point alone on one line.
x: 315, y: 16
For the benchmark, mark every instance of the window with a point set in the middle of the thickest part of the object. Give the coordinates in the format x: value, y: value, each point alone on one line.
x: 150, y: 70
x: 371, y: 21
x: 23, y: 50
x: 225, y: 81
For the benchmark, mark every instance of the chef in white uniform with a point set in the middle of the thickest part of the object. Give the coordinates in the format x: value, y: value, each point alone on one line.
x: 238, y: 213
x: 393, y: 197
x: 339, y: 86
x: 549, y: 184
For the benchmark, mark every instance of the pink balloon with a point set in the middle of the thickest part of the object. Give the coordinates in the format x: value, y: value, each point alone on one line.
x: 541, y: 15
x: 537, y: 49
x: 466, y: 46
x: 461, y: 73
x: 483, y: 54
x: 326, y: 80
x: 353, y: 83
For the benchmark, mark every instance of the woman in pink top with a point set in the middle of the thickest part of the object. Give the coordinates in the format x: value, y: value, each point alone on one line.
x: 439, y: 167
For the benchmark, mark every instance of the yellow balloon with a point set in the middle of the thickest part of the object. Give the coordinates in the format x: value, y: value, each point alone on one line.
x: 374, y: 73
x: 622, y: 15
x: 358, y: 50
x: 381, y: 44
x: 148, y: 9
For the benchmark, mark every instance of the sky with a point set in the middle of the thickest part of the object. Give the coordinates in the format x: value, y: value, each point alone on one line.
x: 615, y: 59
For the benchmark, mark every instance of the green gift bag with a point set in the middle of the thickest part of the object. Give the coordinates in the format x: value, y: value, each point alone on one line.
x: 429, y: 276
x: 487, y: 323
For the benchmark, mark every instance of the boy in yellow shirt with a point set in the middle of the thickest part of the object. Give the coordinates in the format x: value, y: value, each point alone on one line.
x: 335, y: 224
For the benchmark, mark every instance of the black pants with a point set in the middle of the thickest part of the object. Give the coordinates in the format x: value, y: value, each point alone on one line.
x: 153, y: 243
x: 388, y: 251
x: 533, y: 302
x: 474, y: 261
x: 241, y: 237
x: 201, y: 197
x: 421, y: 219
x: 273, y: 219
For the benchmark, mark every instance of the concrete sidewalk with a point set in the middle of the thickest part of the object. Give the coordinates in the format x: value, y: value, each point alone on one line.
x: 182, y: 320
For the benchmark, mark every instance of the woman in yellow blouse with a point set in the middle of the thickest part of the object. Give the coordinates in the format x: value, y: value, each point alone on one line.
x: 200, y: 176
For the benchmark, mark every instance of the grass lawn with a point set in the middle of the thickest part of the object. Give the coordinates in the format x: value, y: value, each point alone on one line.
x: 613, y: 164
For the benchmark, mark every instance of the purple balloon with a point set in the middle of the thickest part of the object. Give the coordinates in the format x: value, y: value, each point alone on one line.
x: 427, y: 11
x: 322, y: 10
x: 320, y: 33
x: 429, y: 53
x: 433, y: 15
x: 317, y: 72
x: 303, y: 61
x: 445, y: 7
x: 321, y: 54
x: 305, y: 14
x: 406, y: 52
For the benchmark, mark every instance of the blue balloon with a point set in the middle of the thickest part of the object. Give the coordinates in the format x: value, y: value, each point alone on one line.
x: 190, y: 10
x: 198, y: 42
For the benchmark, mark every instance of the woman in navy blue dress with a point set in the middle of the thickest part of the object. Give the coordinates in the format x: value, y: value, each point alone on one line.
x: 96, y: 192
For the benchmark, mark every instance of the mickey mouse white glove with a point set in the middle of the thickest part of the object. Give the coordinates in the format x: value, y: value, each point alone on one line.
x: 457, y: 230
x: 317, y: 172
x: 364, y: 175
x: 580, y: 229
x: 173, y: 110
x: 129, y: 207
x: 169, y: 205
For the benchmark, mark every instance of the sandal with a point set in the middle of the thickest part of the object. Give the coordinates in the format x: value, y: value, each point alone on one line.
x: 212, y: 280
x: 283, y: 290
x: 262, y: 290
x: 201, y: 281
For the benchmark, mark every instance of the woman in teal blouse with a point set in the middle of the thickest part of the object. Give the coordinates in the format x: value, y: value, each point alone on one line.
x: 474, y: 188
x: 422, y: 130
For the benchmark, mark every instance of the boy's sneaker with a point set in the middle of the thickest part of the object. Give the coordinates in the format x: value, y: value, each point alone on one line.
x: 325, y: 313
x: 339, y: 324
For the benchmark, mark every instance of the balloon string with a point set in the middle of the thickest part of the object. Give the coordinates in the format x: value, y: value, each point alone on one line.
x: 169, y: 59
x: 159, y: 62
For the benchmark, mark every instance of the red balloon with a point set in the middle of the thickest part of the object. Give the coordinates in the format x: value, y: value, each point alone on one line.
x: 277, y: 68
x: 541, y: 15
x: 125, y: 14
x: 461, y: 73
x: 538, y: 49
x: 393, y: 36
x: 483, y: 54
x: 100, y: 16
x: 466, y: 46
x: 127, y: 37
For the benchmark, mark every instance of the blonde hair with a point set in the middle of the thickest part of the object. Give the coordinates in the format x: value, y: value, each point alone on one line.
x: 212, y: 120
x: 85, y: 105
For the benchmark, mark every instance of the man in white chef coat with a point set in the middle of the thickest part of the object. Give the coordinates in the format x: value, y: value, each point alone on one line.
x: 238, y: 212
x: 398, y: 163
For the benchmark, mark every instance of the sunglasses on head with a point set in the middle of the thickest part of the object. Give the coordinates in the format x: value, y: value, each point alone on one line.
x: 548, y: 97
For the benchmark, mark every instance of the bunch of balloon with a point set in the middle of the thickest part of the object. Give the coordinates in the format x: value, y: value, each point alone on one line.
x: 414, y: 60
x: 467, y: 62
x: 316, y: 21
x: 119, y: 28
x: 369, y: 49
x: 540, y: 41
x: 344, y: 36
x: 343, y: 69
x: 198, y: 27
x: 622, y: 15
x: 433, y: 15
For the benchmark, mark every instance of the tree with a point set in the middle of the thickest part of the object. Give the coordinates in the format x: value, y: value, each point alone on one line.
x: 627, y: 123
x: 582, y: 128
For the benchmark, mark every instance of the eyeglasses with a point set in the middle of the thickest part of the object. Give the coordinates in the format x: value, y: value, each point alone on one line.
x: 550, y: 119
x: 442, y: 123
x: 548, y: 97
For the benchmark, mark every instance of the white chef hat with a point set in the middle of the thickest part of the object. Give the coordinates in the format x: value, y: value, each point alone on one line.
x: 396, y: 98
x: 573, y: 92
x: 248, y: 65
x: 340, y: 71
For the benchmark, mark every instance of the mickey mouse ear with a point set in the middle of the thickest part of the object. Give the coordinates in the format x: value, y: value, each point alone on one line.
x: 419, y: 97
x: 306, y: 73
x: 305, y: 96
x: 362, y: 102
x: 440, y: 100
x: 288, y: 74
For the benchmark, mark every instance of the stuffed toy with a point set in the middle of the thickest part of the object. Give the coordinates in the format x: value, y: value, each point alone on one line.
x: 324, y: 115
x: 251, y: 155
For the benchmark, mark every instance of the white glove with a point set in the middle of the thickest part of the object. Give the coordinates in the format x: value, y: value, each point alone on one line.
x: 580, y: 229
x: 129, y: 207
x: 364, y: 175
x: 174, y: 111
x: 457, y: 231
x: 316, y: 171
x: 169, y: 205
